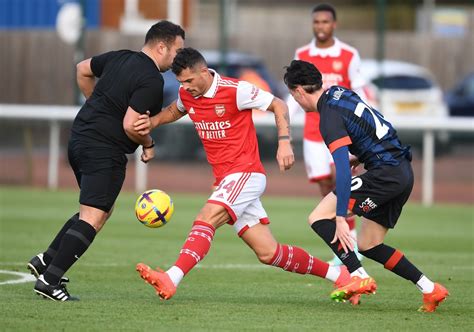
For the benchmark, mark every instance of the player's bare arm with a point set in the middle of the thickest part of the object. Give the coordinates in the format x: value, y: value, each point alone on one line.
x: 285, y: 156
x: 85, y: 77
x: 145, y: 140
x: 145, y: 123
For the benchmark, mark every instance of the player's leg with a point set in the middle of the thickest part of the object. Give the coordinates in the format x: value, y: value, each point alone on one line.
x: 195, y: 248
x: 351, y: 220
x: 382, y: 213
x: 322, y: 222
x: 219, y: 209
x: 38, y: 264
x: 371, y: 242
x: 287, y: 257
x: 101, y: 182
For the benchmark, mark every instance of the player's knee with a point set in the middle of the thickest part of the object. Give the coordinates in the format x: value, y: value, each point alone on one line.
x: 265, y: 257
x: 365, y: 245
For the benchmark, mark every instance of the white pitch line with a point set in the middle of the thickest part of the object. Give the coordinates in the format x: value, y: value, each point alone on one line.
x: 25, y: 277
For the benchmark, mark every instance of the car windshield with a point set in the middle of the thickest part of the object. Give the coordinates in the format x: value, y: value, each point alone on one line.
x: 402, y: 82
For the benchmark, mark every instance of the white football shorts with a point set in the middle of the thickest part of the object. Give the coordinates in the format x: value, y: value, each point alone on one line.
x: 317, y: 159
x: 240, y: 194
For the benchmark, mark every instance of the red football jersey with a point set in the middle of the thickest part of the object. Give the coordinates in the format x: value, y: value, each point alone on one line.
x: 223, y: 120
x: 339, y: 65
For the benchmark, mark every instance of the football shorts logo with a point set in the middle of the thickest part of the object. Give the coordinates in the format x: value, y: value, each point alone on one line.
x: 337, y: 65
x: 220, y: 110
x: 367, y: 205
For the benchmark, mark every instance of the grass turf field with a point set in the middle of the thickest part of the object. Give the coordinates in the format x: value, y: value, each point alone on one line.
x: 230, y: 290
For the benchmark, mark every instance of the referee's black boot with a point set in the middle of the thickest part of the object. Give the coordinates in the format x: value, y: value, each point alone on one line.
x: 53, y: 292
x: 37, y: 266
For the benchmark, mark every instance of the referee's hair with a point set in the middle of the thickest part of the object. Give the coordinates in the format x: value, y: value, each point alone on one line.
x: 164, y: 31
x: 305, y: 74
x: 187, y: 57
x: 325, y: 7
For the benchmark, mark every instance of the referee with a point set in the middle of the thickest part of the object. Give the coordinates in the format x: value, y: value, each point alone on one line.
x: 102, y: 134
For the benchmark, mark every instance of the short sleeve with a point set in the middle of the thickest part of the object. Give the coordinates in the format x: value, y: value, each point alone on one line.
x: 148, y: 96
x: 333, y: 129
x: 251, y: 97
x: 355, y: 75
x: 98, y: 62
x: 179, y: 104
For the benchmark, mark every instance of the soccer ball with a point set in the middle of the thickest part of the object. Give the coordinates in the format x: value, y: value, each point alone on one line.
x: 154, y: 208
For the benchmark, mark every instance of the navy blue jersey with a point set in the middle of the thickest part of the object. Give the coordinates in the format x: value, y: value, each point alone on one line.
x: 347, y: 120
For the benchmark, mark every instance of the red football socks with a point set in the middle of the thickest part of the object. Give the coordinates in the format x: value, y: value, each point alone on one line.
x: 196, y: 246
x: 295, y: 259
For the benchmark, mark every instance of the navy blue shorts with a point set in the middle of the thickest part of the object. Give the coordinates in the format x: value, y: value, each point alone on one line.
x: 380, y: 193
x: 100, y: 173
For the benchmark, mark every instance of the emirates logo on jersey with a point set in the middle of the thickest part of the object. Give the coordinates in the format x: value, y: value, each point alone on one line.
x: 220, y: 110
x: 337, y: 65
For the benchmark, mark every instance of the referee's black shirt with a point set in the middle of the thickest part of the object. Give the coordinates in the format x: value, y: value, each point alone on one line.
x: 127, y: 78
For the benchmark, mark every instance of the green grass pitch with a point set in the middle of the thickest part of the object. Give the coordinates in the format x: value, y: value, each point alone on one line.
x: 230, y: 290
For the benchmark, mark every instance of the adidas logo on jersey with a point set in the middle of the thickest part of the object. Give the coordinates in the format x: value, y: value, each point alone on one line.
x: 191, y: 111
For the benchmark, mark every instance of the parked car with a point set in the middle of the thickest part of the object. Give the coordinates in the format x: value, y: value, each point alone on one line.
x: 461, y: 99
x: 181, y: 142
x: 406, y: 91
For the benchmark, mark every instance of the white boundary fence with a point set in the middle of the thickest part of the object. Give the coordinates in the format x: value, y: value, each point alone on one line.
x: 55, y: 114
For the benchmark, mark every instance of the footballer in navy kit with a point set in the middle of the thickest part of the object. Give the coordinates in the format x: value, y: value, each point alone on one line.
x: 349, y: 125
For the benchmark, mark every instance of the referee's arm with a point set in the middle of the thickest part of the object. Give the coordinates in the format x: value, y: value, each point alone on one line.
x: 85, y: 77
x: 128, y: 125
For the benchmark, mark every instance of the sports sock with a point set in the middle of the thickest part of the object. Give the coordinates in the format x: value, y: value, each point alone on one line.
x: 74, y: 243
x: 326, y: 229
x: 425, y: 285
x: 196, y: 246
x: 360, y: 272
x: 49, y: 254
x: 175, y: 274
x: 333, y: 273
x: 393, y: 260
x: 295, y: 259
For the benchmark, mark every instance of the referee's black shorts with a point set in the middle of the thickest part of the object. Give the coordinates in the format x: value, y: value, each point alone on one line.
x: 380, y: 193
x: 100, y: 173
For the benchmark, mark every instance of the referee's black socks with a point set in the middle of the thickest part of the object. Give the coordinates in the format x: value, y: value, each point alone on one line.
x: 49, y: 254
x: 393, y: 260
x: 326, y: 229
x: 74, y: 243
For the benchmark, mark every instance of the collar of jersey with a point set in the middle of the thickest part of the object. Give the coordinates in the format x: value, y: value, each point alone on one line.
x: 333, y: 51
x: 213, y: 88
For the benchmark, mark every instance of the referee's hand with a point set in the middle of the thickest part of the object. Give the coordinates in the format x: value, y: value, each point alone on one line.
x: 143, y: 124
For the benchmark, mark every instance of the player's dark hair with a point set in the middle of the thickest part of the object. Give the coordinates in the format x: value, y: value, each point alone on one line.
x: 325, y: 7
x: 164, y: 31
x: 305, y: 74
x: 187, y: 57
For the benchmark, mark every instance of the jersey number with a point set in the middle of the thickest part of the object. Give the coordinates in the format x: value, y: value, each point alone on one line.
x: 356, y: 183
x: 227, y: 187
x: 380, y: 128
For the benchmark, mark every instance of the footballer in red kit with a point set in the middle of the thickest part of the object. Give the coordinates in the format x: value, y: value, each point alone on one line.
x: 221, y: 110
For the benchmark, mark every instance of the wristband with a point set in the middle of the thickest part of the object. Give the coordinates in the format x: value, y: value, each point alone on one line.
x: 283, y: 137
x: 151, y: 145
